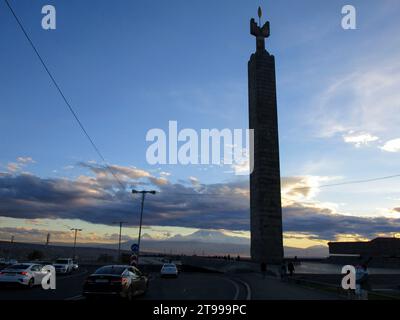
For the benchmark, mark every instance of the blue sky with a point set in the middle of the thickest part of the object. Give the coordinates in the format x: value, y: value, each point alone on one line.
x: 128, y: 67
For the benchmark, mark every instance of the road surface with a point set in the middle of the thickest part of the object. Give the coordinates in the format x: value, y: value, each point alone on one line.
x: 188, y: 285
x: 195, y: 286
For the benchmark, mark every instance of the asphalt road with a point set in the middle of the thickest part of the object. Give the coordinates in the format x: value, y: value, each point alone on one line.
x: 67, y: 287
x: 194, y: 286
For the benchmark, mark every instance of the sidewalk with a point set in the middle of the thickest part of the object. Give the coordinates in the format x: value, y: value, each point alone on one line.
x: 272, y: 288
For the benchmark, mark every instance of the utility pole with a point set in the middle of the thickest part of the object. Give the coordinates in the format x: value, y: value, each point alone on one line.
x: 47, y: 239
x: 12, y: 239
x: 143, y: 193
x: 76, y: 232
x: 119, y: 240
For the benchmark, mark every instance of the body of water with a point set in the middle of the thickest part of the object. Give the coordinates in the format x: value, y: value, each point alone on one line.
x: 326, y: 268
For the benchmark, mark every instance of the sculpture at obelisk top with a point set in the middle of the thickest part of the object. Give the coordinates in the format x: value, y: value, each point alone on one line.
x: 259, y: 32
x: 265, y: 187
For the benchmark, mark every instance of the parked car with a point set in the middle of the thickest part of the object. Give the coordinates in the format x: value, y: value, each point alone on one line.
x: 2, y: 263
x: 10, y: 262
x: 120, y: 281
x: 169, y: 270
x: 64, y: 265
x: 24, y: 274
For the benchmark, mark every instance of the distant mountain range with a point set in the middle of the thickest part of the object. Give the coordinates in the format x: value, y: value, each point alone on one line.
x: 210, y: 236
x: 202, y: 242
x: 211, y: 242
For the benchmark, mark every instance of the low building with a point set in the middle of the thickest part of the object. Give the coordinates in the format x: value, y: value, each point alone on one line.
x: 376, y: 248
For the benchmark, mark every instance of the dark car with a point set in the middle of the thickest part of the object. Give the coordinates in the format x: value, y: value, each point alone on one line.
x: 119, y: 281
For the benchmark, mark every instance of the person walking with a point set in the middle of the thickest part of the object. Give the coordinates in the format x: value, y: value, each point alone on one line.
x: 362, y: 282
x: 133, y: 260
x: 291, y: 268
x: 263, y: 268
x: 283, y: 271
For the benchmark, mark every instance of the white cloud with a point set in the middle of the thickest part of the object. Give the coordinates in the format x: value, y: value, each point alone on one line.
x: 304, y: 190
x: 194, y: 181
x: 19, y: 164
x: 359, y: 138
x: 366, y: 100
x: 13, y: 167
x: 158, y: 181
x: 25, y: 160
x: 392, y: 145
x: 242, y: 168
x: 241, y: 165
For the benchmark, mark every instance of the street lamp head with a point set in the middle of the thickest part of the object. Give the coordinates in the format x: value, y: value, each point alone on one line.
x: 136, y: 191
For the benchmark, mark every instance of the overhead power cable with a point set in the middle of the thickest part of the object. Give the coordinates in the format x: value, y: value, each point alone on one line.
x: 351, y: 182
x: 97, y: 150
x: 299, y: 188
x: 70, y: 108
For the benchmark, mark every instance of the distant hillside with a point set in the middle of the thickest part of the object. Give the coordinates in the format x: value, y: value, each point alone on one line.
x: 211, y: 242
x: 20, y: 251
x: 202, y: 242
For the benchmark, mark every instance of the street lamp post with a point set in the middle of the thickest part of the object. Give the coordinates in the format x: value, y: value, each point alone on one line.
x: 143, y: 193
x: 76, y: 232
x: 119, y: 240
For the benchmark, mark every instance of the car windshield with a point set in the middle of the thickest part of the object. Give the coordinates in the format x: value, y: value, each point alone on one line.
x: 169, y: 266
x: 110, y: 270
x: 63, y: 261
x: 19, y: 266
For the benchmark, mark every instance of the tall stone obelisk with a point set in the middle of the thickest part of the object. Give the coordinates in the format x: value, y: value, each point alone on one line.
x: 265, y: 187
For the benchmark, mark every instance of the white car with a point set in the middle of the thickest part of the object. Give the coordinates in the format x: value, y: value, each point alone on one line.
x: 25, y: 274
x: 64, y: 265
x: 9, y: 262
x: 169, y: 270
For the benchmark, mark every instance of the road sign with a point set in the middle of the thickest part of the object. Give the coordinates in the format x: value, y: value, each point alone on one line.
x: 135, y: 247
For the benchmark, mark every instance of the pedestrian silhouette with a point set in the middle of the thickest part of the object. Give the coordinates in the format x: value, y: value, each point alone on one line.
x: 291, y: 268
x: 263, y: 268
x: 362, y: 282
x: 283, y: 271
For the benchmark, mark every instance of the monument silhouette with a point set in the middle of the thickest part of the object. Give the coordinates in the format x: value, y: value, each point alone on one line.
x: 265, y: 186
